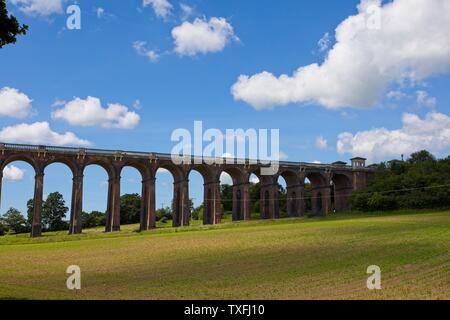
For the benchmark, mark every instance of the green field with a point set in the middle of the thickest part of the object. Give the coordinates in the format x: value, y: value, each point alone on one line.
x: 305, y: 258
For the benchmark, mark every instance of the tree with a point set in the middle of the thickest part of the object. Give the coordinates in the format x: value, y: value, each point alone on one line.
x: 30, y: 209
x: 163, y: 214
x: 420, y: 182
x: 226, y: 197
x: 54, y: 211
x: 421, y: 156
x: 14, y: 221
x: 93, y: 219
x: 9, y: 26
x: 130, y: 208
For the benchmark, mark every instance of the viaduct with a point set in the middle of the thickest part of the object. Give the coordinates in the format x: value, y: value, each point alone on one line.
x: 344, y: 179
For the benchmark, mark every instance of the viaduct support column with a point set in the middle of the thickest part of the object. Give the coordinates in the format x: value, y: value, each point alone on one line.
x: 36, y: 226
x: 113, y: 211
x: 181, y: 212
x: 1, y: 182
x: 241, y: 202
x: 211, y: 204
x: 295, y: 200
x: 321, y: 200
x: 77, y: 203
x: 341, y: 196
x: 245, y: 201
x: 148, y: 218
x: 269, y: 201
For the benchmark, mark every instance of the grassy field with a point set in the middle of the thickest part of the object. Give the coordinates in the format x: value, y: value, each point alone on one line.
x: 319, y: 258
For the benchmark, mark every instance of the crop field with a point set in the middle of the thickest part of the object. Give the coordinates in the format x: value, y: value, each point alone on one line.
x: 302, y: 258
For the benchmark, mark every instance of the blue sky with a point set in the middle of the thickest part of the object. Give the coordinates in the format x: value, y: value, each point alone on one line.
x: 126, y: 54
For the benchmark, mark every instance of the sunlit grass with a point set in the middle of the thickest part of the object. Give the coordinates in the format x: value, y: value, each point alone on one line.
x: 302, y: 258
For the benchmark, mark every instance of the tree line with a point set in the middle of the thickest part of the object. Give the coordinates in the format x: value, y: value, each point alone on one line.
x: 422, y: 181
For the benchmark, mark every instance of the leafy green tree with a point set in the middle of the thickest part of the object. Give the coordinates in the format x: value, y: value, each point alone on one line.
x: 163, y: 214
x: 9, y: 26
x: 54, y: 211
x: 130, y: 208
x: 93, y: 219
x: 197, y: 213
x: 14, y: 221
x: 421, y: 156
x: 419, y: 182
x: 30, y: 209
x: 254, y: 193
x: 226, y: 197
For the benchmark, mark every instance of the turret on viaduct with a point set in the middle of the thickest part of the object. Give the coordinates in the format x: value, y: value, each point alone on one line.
x: 344, y: 179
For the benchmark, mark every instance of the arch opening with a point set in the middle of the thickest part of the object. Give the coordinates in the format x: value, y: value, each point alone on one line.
x: 95, y: 196
x: 58, y: 184
x: 17, y: 195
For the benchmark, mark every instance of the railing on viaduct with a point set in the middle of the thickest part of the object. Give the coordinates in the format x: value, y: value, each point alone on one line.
x: 344, y: 179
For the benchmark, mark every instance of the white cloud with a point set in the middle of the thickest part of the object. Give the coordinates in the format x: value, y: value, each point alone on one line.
x: 321, y: 143
x: 202, y: 36
x: 396, y: 95
x: 89, y: 112
x: 39, y: 133
x: 12, y: 173
x: 14, y: 103
x: 423, y: 99
x: 316, y: 162
x: 412, y: 44
x: 141, y: 48
x: 186, y: 10
x: 226, y: 179
x: 162, y: 8
x: 39, y: 7
x: 324, y: 42
x: 431, y: 133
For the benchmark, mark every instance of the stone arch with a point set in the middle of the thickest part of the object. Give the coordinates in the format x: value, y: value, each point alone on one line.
x: 294, y: 192
x: 268, y: 201
x: 211, y: 192
x: 20, y: 157
x: 36, y: 226
x: 72, y: 165
x: 113, y: 195
x: 320, y: 191
x: 180, y: 198
x: 240, y: 199
x: 342, y: 188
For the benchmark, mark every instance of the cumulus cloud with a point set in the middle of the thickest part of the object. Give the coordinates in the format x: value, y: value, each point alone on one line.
x: 202, y: 36
x: 89, y: 112
x: 162, y: 8
x: 423, y: 99
x: 411, y: 42
x: 39, y: 133
x: 431, y: 133
x: 321, y: 143
x: 39, y: 7
x: 13, y: 173
x: 141, y: 48
x: 14, y: 103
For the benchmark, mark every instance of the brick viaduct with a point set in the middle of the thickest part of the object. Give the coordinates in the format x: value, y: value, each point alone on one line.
x: 344, y: 179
